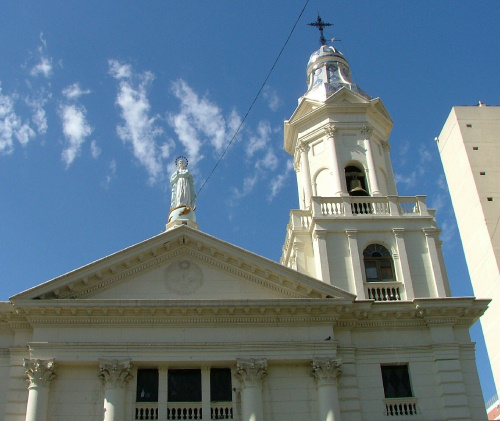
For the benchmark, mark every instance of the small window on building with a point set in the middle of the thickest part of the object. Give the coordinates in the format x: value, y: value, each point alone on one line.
x: 396, y: 381
x: 220, y: 385
x: 355, y: 181
x: 378, y: 264
x: 469, y: 125
x: 184, y: 385
x: 482, y: 173
x: 490, y: 199
x: 147, y: 385
x: 475, y: 148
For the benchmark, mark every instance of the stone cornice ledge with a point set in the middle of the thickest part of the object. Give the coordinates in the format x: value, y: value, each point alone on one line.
x: 340, y: 313
x: 181, y: 352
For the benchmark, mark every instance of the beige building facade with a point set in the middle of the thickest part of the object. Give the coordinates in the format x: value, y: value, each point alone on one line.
x: 355, y: 323
x: 469, y: 145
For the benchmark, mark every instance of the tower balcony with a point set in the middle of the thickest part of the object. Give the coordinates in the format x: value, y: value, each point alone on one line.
x: 352, y: 209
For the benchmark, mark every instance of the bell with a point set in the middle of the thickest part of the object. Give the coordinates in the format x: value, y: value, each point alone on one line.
x: 356, y: 188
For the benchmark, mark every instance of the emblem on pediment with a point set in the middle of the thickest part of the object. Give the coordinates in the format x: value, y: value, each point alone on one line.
x: 183, y: 277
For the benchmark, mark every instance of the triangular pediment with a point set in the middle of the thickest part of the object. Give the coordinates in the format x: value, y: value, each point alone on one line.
x: 182, y: 264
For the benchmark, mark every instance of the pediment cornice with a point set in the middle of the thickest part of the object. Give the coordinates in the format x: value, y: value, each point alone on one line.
x: 87, y: 281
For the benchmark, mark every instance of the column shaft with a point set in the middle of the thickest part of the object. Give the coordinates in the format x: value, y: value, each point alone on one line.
x: 306, y: 175
x: 372, y: 169
x: 115, y: 376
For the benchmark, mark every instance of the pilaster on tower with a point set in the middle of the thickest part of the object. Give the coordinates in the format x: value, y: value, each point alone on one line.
x: 352, y: 229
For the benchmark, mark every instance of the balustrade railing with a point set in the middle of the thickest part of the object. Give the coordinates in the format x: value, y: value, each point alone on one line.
x: 400, y: 407
x: 368, y: 205
x: 384, y: 291
x: 146, y: 410
x: 184, y: 411
x: 221, y: 411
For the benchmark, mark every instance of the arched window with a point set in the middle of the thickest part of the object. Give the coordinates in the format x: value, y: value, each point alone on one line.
x: 356, y: 181
x: 378, y: 264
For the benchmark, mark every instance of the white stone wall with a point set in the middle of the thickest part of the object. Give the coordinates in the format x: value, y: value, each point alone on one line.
x: 477, y: 217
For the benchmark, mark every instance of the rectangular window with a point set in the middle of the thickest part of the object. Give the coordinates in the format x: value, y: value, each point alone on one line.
x: 396, y: 381
x: 147, y: 385
x: 475, y: 148
x: 220, y: 385
x: 482, y: 173
x: 490, y: 199
x: 184, y: 385
x: 469, y: 125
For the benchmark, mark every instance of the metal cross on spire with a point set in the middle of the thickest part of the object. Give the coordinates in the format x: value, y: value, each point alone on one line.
x: 320, y: 25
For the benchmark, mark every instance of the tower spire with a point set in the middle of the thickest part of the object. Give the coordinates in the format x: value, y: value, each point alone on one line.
x: 320, y: 25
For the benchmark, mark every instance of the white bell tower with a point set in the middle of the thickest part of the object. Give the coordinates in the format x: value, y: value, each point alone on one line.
x: 352, y: 229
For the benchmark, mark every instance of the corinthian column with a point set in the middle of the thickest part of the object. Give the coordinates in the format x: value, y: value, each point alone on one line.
x: 40, y: 373
x: 325, y: 372
x: 250, y: 373
x: 115, y: 376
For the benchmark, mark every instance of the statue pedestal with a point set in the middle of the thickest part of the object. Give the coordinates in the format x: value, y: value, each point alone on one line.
x: 177, y: 222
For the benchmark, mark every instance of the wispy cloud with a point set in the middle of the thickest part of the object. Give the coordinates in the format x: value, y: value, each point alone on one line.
x: 259, y: 140
x: 139, y: 129
x: 75, y: 130
x: 278, y: 182
x: 12, y: 126
x: 95, y: 150
x: 407, y: 181
x: 111, y: 175
x: 272, y: 98
x: 74, y: 91
x: 44, y: 65
x: 200, y: 119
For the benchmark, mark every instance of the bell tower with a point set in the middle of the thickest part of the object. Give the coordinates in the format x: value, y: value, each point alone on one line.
x: 353, y: 230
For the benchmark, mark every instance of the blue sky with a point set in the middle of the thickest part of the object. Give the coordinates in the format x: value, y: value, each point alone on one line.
x: 98, y: 99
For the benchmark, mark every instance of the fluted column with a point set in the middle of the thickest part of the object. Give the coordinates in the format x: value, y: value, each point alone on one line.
x: 306, y: 174
x: 326, y: 372
x: 334, y: 161
x: 372, y: 169
x: 40, y: 373
x: 115, y: 376
x: 250, y: 373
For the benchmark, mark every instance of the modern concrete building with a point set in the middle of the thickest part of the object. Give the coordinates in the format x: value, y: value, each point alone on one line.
x: 469, y: 145
x: 356, y: 322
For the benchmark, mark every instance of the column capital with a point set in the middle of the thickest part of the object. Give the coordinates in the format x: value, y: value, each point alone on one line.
x: 251, y: 372
x: 330, y: 130
x: 398, y: 232
x: 303, y: 147
x: 115, y: 373
x: 39, y: 372
x: 351, y: 233
x: 367, y: 131
x: 319, y: 234
x: 326, y: 371
x: 430, y: 232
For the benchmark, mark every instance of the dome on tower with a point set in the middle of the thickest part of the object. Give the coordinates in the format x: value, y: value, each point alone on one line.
x: 327, y: 72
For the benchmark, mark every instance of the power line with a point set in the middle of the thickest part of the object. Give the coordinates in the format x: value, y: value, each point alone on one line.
x: 254, y: 100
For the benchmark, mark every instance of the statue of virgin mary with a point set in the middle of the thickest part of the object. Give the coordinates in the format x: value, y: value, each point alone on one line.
x: 183, y: 200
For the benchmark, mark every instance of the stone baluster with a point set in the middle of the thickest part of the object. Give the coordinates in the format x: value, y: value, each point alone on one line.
x: 326, y: 372
x: 250, y: 373
x: 40, y: 373
x: 115, y: 376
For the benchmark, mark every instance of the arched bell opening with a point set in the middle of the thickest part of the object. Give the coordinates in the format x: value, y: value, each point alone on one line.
x: 356, y: 181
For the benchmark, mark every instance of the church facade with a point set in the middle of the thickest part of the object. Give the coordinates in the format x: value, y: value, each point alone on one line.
x: 355, y: 323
